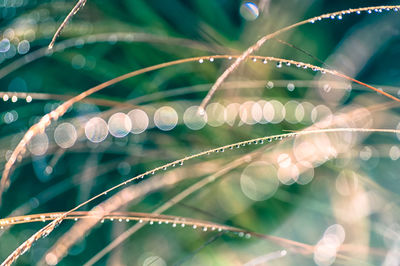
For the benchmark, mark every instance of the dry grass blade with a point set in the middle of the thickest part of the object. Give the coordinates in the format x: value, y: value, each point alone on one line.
x: 261, y: 41
x: 74, y: 10
x: 46, y: 120
x: 98, y: 211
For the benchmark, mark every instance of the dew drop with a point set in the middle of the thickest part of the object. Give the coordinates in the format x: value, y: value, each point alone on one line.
x: 279, y: 64
x: 265, y: 61
x: 211, y: 59
x: 201, y: 61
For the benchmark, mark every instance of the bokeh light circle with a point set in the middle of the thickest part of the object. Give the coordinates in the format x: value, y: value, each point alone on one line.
x: 119, y: 125
x: 65, y: 135
x: 258, y: 181
x: 193, y: 119
x: 139, y: 121
x: 166, y: 118
x: 96, y: 129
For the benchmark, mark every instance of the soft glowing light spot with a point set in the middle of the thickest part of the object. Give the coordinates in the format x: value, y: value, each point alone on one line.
x: 290, y: 87
x: 65, y: 135
x: 38, y: 144
x: 268, y: 112
x: 288, y: 175
x: 78, y: 61
x: 321, y: 114
x: 139, y: 120
x: 231, y: 113
x: 250, y: 112
x: 23, y: 47
x: 154, y: 261
x: 193, y: 119
x: 166, y: 118
x: 394, y: 153
x: 279, y: 112
x: 294, y: 112
x: 249, y: 11
x: 96, y: 130
x: 4, y: 45
x: 215, y: 114
x: 258, y: 181
x: 335, y: 233
x: 366, y: 153
x: 284, y: 160
x: 10, y: 117
x: 306, y: 171
x: 119, y: 125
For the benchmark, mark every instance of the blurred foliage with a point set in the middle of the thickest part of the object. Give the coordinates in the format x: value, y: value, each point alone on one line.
x: 183, y: 29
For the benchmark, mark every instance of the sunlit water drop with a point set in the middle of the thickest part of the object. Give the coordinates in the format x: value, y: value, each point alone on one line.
x: 249, y: 11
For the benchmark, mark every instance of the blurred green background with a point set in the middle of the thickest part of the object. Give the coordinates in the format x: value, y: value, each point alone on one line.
x: 109, y: 38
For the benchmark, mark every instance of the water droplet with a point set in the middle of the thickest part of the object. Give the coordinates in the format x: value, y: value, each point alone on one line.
x: 254, y: 59
x: 265, y: 61
x: 211, y: 59
x: 174, y: 225
x: 279, y: 64
x: 14, y: 98
x: 358, y: 12
x: 28, y: 99
x: 201, y: 61
x: 369, y: 11
x: 151, y: 222
x: 194, y: 226
x: 5, y: 97
x: 249, y: 11
x: 340, y: 17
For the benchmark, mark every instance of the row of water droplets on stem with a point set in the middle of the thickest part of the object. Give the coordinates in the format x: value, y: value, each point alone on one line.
x: 339, y: 15
x: 222, y: 149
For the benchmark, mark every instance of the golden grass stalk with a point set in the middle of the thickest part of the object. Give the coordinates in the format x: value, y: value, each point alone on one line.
x: 46, y: 230
x: 267, y: 37
x: 73, y: 11
x: 47, y: 119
